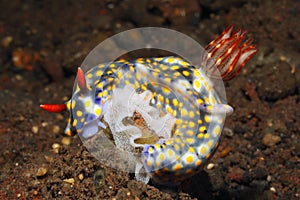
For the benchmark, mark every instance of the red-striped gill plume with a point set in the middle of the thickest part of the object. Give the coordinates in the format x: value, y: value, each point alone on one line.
x: 229, y: 53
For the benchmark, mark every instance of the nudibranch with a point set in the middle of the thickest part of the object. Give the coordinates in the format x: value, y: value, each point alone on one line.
x: 197, y: 118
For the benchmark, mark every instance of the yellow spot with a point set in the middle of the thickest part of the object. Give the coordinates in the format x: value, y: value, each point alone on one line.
x: 207, y: 156
x: 149, y: 163
x: 119, y: 74
x: 167, y: 101
x: 203, y: 150
x: 191, y: 114
x: 200, y: 121
x: 190, y: 140
x: 177, y: 167
x: 136, y: 84
x: 170, y: 152
x: 170, y: 60
x: 210, y: 143
x: 169, y: 110
x: 200, y: 135
x: 158, y: 105
x: 112, y: 65
x: 196, y: 73
x: 164, y: 67
x: 168, y: 79
x: 157, y: 146
x: 198, y: 163
x: 190, y: 133
x: 89, y: 75
x: 101, y: 66
x: 189, y: 159
x: 174, y: 114
x: 131, y: 68
x: 144, y: 87
x: 175, y: 67
x: 184, y: 63
x: 178, y: 121
x: 177, y: 140
x: 99, y: 94
x: 199, y: 101
x: 207, y: 135
x: 105, y: 93
x: 78, y: 113
x: 158, y: 59
x: 180, y: 105
x: 175, y: 102
x: 73, y: 104
x: 160, y: 98
x: 87, y: 103
x: 68, y: 132
x: 196, y: 84
x: 68, y: 105
x: 183, y: 112
x: 191, y: 124
x: 100, y: 85
x: 74, y: 122
x: 138, y: 76
x: 202, y: 129
x: 150, y: 150
x: 161, y: 156
x: 206, y: 118
x: 185, y: 73
x: 99, y: 73
x: 82, y: 120
x: 157, y: 163
x: 191, y: 149
x: 127, y: 82
x: 217, y: 131
x: 166, y: 90
x: 176, y: 74
x: 176, y: 146
x: 98, y: 111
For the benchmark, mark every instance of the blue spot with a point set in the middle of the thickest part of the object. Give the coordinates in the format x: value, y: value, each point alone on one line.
x: 90, y: 117
x: 98, y: 100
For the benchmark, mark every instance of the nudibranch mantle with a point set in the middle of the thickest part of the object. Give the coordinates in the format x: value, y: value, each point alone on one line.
x: 177, y: 101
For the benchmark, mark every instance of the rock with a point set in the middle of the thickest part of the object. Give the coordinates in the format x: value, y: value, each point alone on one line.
x: 270, y: 140
x: 41, y: 172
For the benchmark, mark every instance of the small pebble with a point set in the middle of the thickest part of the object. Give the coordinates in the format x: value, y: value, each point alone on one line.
x: 269, y: 178
x: 55, y: 129
x: 35, y: 129
x: 7, y: 41
x: 210, y: 166
x: 80, y: 177
x: 55, y: 147
x: 66, y: 141
x: 60, y: 117
x: 18, y: 77
x: 270, y: 140
x: 225, y: 152
x: 273, y: 189
x: 41, y: 172
x: 69, y: 180
x: 48, y: 158
x: 44, y: 124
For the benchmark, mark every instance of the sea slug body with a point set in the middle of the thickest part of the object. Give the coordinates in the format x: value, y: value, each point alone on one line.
x: 199, y: 115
